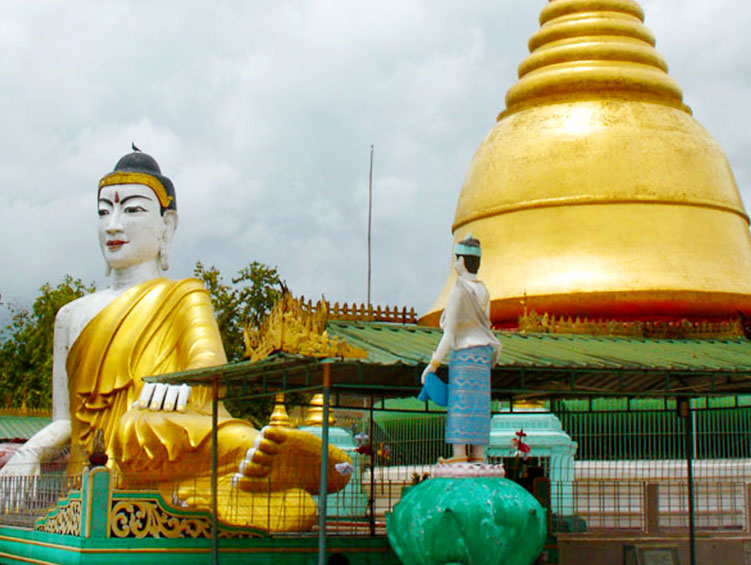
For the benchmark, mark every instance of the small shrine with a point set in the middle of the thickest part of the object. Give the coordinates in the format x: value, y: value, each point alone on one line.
x: 551, y: 447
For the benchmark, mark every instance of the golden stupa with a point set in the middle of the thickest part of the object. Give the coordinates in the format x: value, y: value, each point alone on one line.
x: 597, y: 193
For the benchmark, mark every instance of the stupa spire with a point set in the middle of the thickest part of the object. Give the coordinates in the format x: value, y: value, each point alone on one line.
x: 597, y: 194
x: 587, y: 48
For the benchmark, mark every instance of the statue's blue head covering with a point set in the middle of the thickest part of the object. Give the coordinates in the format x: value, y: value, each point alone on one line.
x: 468, y: 246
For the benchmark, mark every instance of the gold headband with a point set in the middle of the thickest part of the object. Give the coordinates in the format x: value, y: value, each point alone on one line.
x: 119, y: 177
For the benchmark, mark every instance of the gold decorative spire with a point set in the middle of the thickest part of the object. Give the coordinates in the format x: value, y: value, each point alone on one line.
x: 293, y: 326
x: 314, y: 417
x: 586, y: 46
x: 597, y: 194
x: 279, y: 417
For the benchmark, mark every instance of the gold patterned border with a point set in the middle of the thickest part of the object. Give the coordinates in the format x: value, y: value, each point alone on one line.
x: 65, y: 520
x: 147, y: 518
x: 532, y: 322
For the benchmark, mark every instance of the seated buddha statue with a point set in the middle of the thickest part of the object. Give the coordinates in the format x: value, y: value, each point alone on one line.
x: 143, y: 325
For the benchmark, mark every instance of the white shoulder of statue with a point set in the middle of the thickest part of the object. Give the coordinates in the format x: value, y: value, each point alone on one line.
x: 72, y: 318
x: 68, y: 312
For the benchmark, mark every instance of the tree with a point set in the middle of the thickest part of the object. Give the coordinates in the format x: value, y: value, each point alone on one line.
x: 256, y: 289
x: 26, y: 346
x: 254, y: 292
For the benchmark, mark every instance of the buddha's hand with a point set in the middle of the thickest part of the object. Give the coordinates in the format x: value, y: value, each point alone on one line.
x: 18, y: 480
x: 20, y: 475
x: 45, y: 445
x: 24, y: 463
x: 163, y: 397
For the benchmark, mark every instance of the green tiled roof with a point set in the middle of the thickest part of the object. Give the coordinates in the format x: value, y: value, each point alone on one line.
x: 531, y: 364
x: 388, y: 344
x: 20, y: 427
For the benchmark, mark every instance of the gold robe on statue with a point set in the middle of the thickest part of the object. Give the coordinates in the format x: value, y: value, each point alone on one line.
x: 164, y: 326
x: 157, y: 327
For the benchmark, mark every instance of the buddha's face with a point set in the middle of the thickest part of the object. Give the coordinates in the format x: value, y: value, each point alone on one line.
x: 131, y: 227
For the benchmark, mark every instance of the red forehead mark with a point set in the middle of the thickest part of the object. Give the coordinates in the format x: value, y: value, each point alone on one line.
x: 117, y: 197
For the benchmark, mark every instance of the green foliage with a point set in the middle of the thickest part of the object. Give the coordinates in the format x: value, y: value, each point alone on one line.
x: 249, y: 298
x: 26, y: 346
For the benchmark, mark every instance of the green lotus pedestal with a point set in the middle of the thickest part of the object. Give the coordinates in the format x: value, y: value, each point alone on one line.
x: 469, y: 521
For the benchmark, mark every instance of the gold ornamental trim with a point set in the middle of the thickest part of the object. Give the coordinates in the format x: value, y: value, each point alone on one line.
x: 153, y: 183
x: 370, y: 313
x: 65, y: 520
x: 23, y: 411
x: 147, y: 518
x: 532, y: 322
x: 295, y: 327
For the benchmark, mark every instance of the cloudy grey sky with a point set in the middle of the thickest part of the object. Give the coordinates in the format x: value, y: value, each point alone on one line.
x: 262, y: 113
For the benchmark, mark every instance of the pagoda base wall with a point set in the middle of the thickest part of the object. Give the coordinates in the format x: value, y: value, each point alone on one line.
x: 605, y: 549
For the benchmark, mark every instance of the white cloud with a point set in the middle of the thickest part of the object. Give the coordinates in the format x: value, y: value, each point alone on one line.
x: 263, y: 113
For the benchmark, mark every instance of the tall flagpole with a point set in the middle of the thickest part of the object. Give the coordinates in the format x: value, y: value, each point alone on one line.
x: 370, y: 214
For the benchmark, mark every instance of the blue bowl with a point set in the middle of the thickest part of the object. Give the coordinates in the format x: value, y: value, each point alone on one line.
x: 434, y: 389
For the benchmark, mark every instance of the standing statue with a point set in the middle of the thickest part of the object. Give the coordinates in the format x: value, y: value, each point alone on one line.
x: 474, y: 350
x: 143, y: 324
x: 467, y: 512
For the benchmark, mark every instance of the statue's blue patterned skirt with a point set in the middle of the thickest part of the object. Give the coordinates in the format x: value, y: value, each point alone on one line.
x: 469, y: 396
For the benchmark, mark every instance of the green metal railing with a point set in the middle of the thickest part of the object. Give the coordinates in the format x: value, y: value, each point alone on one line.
x: 635, y: 430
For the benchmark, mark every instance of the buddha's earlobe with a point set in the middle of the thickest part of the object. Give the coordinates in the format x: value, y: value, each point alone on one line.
x: 170, y: 225
x: 163, y: 257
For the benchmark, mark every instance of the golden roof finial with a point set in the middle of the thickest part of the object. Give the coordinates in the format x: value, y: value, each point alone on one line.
x: 293, y: 326
x: 589, y: 48
x: 314, y: 417
x: 279, y: 417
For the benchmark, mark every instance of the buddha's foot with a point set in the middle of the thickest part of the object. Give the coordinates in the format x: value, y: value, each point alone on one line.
x: 289, y: 510
x: 285, y: 458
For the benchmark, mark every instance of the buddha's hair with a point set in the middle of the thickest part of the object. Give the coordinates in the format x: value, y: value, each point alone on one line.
x: 142, y: 163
